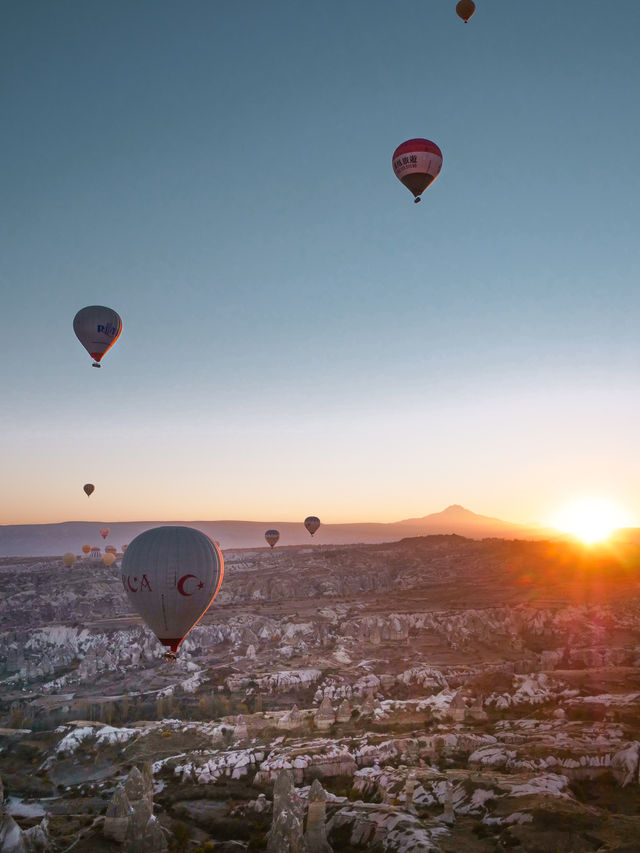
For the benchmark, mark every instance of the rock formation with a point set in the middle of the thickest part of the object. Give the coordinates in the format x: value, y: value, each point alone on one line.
x: 286, y: 835
x: 316, y: 832
x: 291, y: 720
x: 344, y: 712
x: 119, y: 812
x: 324, y: 717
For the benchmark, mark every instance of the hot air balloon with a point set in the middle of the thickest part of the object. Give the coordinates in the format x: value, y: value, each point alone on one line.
x: 86, y: 549
x: 96, y: 553
x: 104, y: 532
x: 89, y: 489
x: 68, y: 559
x: 272, y: 537
x: 97, y: 328
x: 111, y: 549
x: 417, y: 164
x: 171, y: 575
x: 465, y: 9
x: 108, y: 558
x: 312, y: 523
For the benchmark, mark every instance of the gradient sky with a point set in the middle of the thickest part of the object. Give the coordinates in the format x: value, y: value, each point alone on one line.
x: 299, y: 337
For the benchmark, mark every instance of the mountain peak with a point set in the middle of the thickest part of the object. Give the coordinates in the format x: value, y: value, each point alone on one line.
x: 455, y: 509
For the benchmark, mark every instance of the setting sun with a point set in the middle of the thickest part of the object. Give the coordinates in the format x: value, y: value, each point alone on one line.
x: 591, y: 519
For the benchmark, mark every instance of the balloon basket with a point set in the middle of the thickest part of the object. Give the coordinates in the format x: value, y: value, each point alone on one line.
x: 170, y: 657
x: 95, y: 364
x: 415, y: 201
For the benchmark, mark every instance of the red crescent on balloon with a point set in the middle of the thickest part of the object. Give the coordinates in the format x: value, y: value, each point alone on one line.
x: 181, y: 583
x: 132, y: 588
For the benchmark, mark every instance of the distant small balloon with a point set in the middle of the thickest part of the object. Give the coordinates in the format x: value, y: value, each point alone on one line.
x: 89, y: 489
x: 465, y: 9
x: 108, y: 558
x: 111, y: 549
x: 312, y: 523
x: 86, y: 549
x: 97, y: 328
x: 104, y: 532
x: 272, y: 537
x: 69, y: 559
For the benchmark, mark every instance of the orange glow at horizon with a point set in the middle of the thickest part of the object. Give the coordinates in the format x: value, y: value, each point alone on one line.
x: 591, y: 519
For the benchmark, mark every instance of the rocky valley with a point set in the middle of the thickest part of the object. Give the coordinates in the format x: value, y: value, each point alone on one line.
x: 432, y: 694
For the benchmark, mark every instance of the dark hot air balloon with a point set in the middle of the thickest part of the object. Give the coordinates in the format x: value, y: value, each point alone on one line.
x: 417, y: 163
x: 97, y: 328
x: 272, y: 537
x: 171, y: 575
x: 89, y: 489
x: 312, y: 523
x: 465, y: 9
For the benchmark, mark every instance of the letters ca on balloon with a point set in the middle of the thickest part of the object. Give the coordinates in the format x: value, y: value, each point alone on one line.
x: 133, y: 583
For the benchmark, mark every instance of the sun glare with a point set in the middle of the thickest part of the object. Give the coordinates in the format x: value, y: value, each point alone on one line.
x: 591, y: 519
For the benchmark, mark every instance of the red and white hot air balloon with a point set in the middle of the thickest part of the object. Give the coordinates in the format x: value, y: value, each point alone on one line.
x: 417, y: 163
x: 97, y: 328
x: 104, y: 532
x: 171, y: 575
x: 272, y: 537
x: 312, y: 523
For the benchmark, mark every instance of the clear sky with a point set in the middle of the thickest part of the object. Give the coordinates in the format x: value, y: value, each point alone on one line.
x: 299, y: 337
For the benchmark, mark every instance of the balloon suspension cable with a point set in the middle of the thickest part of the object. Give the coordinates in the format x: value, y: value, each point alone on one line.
x: 417, y: 199
x: 170, y: 657
x: 96, y: 364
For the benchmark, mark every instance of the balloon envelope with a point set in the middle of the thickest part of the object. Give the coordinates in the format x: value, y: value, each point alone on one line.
x: 104, y: 532
x: 465, y: 9
x: 312, y: 523
x: 108, y: 558
x: 272, y: 537
x: 68, y: 559
x: 86, y: 549
x: 171, y: 575
x: 97, y: 328
x: 89, y: 488
x: 111, y: 549
x: 417, y: 163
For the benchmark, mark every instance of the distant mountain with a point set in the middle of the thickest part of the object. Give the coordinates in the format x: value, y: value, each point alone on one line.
x: 33, y: 540
x: 457, y: 519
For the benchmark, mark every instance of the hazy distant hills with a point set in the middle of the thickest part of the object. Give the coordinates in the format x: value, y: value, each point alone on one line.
x: 51, y: 539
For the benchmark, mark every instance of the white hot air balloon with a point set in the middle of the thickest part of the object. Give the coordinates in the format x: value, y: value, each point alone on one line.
x: 171, y: 575
x: 97, y: 328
